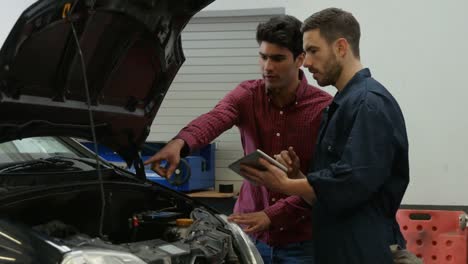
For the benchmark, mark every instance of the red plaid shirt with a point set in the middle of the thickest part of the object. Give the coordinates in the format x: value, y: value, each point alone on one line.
x: 264, y: 126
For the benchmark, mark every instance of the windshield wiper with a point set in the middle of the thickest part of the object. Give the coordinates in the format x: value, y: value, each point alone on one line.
x: 40, y: 164
x: 89, y: 161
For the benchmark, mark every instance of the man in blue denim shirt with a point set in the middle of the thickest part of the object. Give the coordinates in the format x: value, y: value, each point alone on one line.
x: 360, y: 170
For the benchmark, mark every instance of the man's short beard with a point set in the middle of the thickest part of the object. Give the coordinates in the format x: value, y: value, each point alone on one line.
x: 331, y: 73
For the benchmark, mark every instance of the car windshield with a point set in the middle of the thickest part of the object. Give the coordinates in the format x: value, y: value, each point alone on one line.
x: 32, y: 149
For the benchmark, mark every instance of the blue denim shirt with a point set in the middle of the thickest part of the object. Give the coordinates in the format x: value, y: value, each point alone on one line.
x: 360, y: 174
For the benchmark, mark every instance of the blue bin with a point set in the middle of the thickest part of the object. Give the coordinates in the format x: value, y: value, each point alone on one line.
x: 200, y: 166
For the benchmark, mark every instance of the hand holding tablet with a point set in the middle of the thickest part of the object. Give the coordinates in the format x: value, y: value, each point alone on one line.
x: 252, y: 160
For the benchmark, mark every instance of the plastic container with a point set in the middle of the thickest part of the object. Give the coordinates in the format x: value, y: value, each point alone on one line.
x: 435, y: 236
x: 183, y: 226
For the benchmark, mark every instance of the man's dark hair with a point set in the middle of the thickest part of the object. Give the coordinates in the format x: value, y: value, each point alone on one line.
x: 335, y: 23
x: 284, y: 31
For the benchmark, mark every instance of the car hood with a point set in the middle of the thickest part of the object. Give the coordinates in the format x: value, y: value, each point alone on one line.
x: 131, y: 53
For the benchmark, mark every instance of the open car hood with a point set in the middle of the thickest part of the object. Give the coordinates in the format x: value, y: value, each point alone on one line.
x: 132, y: 52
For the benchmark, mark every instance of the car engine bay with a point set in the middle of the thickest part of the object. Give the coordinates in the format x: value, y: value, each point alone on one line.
x: 138, y: 218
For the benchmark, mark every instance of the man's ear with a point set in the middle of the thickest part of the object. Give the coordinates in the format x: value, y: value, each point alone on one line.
x: 300, y: 60
x: 341, y: 47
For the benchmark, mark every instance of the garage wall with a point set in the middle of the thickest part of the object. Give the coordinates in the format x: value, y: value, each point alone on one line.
x: 221, y: 51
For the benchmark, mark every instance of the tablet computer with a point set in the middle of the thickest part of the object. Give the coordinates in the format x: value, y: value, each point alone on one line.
x: 252, y: 160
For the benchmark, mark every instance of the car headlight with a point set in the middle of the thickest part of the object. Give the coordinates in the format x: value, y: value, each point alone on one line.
x: 248, y: 251
x: 100, y: 256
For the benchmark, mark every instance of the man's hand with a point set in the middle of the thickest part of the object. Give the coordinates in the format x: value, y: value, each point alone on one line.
x: 273, y: 178
x: 277, y: 180
x: 252, y: 222
x: 170, y: 153
x: 290, y: 159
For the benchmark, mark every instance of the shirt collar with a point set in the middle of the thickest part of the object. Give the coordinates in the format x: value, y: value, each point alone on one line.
x: 359, y: 76
x: 303, y: 85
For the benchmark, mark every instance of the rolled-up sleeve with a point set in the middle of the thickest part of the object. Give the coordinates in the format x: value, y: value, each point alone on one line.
x: 364, y: 165
x: 223, y: 116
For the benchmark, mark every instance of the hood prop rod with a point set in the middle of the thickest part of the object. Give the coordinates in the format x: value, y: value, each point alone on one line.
x: 91, y: 120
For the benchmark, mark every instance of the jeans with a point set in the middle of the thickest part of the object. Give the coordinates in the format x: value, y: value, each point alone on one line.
x: 301, y: 252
